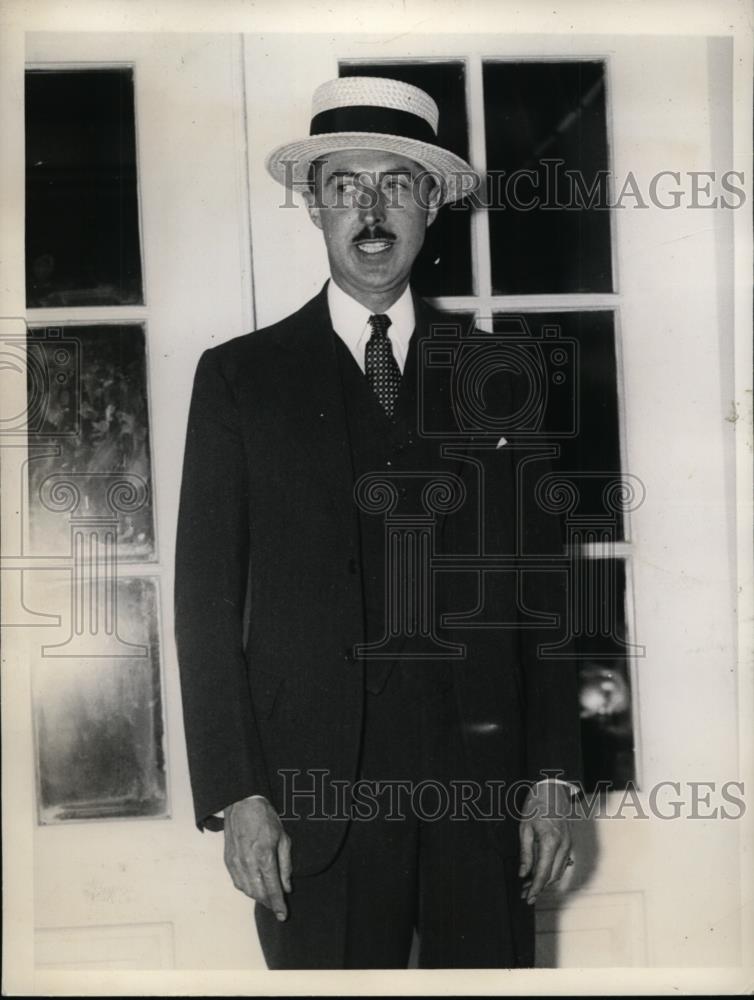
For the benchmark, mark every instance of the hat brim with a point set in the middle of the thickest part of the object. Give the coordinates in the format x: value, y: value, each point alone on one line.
x: 289, y: 164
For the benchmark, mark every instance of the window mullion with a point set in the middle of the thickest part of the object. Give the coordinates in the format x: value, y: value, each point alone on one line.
x: 603, y: 550
x: 480, y: 233
x: 65, y: 315
x: 489, y: 304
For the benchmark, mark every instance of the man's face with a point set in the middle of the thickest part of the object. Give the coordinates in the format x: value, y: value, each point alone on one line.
x: 373, y: 209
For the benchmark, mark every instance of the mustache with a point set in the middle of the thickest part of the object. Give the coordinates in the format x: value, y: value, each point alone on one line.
x: 374, y: 233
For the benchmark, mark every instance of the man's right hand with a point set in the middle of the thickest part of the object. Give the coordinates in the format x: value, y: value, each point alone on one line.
x: 258, y: 853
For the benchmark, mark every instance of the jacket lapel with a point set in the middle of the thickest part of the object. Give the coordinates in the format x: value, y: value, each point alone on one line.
x: 436, y: 416
x: 316, y: 411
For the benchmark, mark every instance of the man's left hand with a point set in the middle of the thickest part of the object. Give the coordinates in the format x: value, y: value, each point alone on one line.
x: 545, y: 838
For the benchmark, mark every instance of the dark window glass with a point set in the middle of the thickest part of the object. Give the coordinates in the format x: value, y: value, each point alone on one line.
x: 82, y: 230
x: 98, y: 711
x: 536, y: 114
x: 577, y: 402
x: 89, y: 450
x: 443, y: 266
x: 604, y: 684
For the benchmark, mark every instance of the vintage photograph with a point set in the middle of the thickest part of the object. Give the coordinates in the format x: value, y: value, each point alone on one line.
x: 376, y: 483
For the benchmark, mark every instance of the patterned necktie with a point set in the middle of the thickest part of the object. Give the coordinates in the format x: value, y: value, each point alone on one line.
x: 380, y: 365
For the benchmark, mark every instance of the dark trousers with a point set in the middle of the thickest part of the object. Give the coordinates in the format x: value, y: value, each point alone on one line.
x: 402, y: 870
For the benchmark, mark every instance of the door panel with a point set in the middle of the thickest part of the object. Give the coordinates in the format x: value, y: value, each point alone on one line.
x: 632, y: 898
x: 153, y: 892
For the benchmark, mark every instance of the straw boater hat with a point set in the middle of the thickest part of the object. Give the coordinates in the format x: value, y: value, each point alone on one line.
x: 365, y: 112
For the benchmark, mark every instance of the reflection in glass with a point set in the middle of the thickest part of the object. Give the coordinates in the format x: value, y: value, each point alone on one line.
x: 546, y: 138
x: 580, y: 411
x: 443, y: 266
x: 98, y: 722
x: 82, y: 229
x: 604, y: 685
x: 89, y: 449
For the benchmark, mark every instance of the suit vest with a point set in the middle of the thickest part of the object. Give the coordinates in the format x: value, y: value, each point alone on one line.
x: 388, y: 451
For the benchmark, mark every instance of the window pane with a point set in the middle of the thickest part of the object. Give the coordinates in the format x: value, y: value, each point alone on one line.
x: 604, y: 685
x: 578, y: 402
x: 82, y: 230
x: 98, y: 715
x: 444, y: 265
x: 537, y: 113
x: 89, y: 449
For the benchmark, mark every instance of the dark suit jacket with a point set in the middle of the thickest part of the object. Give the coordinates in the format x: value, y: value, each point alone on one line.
x: 268, y: 609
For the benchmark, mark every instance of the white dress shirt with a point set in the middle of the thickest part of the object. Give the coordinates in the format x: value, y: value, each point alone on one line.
x: 350, y: 320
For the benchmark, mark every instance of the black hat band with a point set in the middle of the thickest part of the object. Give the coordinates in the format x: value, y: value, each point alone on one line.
x: 369, y: 118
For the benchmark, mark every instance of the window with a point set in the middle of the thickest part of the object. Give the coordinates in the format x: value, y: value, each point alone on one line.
x: 90, y: 391
x: 538, y: 129
x: 82, y: 228
x: 545, y: 133
x: 98, y: 704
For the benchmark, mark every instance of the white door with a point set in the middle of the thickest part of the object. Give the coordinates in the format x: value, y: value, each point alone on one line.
x: 140, y: 889
x: 648, y: 307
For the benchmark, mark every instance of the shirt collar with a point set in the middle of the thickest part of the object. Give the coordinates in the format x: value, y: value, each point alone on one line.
x: 350, y: 320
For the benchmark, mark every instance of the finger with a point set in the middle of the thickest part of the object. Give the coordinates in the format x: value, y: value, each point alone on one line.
x: 545, y: 855
x: 242, y: 878
x: 526, y: 837
x: 236, y: 859
x: 534, y: 858
x: 259, y: 890
x: 284, y: 861
x: 532, y: 867
x: 238, y: 873
x: 274, y: 890
x: 251, y: 872
x: 560, y: 861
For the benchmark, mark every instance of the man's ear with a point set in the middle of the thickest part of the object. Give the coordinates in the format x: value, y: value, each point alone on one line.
x: 434, y: 201
x: 312, y: 208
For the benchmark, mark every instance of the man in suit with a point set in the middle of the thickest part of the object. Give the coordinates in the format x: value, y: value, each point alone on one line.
x: 367, y: 701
